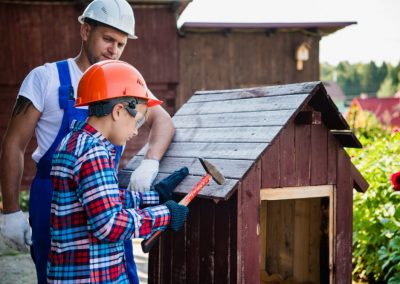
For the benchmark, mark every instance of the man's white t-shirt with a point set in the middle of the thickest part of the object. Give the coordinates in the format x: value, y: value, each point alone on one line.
x: 41, y: 87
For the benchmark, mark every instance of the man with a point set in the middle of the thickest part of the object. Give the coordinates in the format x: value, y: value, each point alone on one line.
x: 45, y: 104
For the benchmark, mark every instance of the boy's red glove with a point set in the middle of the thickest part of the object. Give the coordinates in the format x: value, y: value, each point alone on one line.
x: 396, y: 181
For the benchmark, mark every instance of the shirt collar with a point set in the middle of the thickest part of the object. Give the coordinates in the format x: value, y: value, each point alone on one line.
x: 77, y: 125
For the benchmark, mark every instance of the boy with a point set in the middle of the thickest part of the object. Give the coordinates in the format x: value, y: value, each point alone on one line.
x: 90, y: 215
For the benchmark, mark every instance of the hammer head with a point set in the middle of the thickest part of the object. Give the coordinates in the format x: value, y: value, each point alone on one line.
x: 212, y: 171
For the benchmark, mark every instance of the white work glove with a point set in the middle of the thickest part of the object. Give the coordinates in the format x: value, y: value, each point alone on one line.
x: 16, y: 231
x: 144, y: 175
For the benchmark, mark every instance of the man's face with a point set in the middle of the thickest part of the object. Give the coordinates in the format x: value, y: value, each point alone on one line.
x: 101, y: 43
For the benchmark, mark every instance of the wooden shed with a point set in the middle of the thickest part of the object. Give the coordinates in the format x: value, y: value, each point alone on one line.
x: 242, y: 55
x: 285, y: 211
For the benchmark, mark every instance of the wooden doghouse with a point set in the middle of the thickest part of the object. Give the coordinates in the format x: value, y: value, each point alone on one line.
x: 285, y: 212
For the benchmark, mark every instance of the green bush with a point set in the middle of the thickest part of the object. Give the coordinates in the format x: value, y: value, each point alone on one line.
x: 376, y: 222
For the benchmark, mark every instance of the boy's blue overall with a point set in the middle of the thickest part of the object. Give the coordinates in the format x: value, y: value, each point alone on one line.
x: 41, y: 189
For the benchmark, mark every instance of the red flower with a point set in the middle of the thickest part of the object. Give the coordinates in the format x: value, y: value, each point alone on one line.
x: 396, y: 181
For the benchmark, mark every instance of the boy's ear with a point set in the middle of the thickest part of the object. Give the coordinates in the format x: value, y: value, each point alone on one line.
x: 116, y: 111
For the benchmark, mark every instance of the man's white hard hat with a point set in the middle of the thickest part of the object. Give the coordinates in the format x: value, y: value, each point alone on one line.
x: 115, y: 13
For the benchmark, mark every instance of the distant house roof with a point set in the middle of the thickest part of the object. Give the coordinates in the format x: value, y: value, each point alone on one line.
x: 334, y: 90
x: 321, y: 28
x: 387, y: 110
x: 233, y: 128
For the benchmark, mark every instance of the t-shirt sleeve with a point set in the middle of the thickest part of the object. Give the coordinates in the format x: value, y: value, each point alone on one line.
x: 35, y: 85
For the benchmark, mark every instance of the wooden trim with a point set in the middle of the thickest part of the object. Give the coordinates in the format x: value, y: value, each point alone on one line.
x: 295, y: 192
x: 332, y: 231
x: 263, y: 234
x: 359, y: 182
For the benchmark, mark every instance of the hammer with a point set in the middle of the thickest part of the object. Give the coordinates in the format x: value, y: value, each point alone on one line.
x: 211, y: 173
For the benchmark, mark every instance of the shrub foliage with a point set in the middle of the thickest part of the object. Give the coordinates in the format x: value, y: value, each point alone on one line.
x: 376, y: 222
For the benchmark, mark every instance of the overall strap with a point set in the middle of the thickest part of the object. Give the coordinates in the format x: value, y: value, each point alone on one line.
x: 66, y: 91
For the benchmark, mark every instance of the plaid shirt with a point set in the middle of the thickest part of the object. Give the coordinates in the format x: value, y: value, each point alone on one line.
x: 90, y: 215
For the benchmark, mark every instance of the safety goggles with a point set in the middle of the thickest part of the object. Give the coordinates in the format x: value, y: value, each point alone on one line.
x: 131, y: 108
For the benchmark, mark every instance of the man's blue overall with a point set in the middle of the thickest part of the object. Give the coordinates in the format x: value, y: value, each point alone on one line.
x: 41, y: 189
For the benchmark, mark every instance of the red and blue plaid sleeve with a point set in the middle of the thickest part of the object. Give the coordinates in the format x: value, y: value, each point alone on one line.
x: 101, y: 198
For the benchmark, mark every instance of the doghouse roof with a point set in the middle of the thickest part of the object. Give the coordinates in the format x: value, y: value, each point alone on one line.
x: 233, y: 128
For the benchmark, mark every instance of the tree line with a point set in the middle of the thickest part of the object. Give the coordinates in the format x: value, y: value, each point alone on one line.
x: 363, y: 78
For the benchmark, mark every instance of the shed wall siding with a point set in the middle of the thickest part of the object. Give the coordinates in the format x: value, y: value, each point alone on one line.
x: 204, y: 251
x: 299, y: 157
x: 32, y: 36
x: 241, y: 60
x: 327, y: 163
x: 344, y: 215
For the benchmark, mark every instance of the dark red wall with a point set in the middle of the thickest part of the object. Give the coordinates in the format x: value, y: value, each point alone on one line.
x: 33, y: 34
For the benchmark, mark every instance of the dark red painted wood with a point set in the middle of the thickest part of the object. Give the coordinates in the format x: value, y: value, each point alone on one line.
x: 271, y: 165
x: 333, y: 147
x: 178, y: 259
x: 153, y: 265
x: 166, y: 257
x: 38, y: 27
x: 207, y: 241
x: 319, y: 154
x: 303, y: 154
x: 249, y: 204
x: 222, y: 242
x: 233, y: 245
x: 288, y: 156
x: 344, y: 217
x: 193, y: 242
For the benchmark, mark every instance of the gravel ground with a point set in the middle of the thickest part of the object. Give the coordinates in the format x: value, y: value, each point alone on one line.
x: 18, y: 268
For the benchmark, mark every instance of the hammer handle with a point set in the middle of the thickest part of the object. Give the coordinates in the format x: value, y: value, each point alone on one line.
x: 149, y: 243
x: 196, y: 189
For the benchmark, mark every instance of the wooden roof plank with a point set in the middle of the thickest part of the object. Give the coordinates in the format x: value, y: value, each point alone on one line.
x: 245, y: 151
x: 233, y: 134
x: 224, y: 95
x: 248, y: 119
x: 243, y: 105
x: 234, y: 169
x: 212, y: 190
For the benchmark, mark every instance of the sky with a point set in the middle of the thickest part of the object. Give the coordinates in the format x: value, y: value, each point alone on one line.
x: 375, y: 37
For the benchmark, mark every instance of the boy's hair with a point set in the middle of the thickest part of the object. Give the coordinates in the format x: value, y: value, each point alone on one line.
x: 103, y: 108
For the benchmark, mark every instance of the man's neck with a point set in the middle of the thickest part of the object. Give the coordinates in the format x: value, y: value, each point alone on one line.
x: 82, y: 62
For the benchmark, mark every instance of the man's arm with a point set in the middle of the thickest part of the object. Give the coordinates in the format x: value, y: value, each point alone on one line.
x: 19, y: 132
x: 162, y: 131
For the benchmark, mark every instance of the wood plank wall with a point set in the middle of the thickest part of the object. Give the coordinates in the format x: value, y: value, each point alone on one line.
x: 205, y: 251
x: 45, y: 32
x: 310, y: 155
x: 214, y: 60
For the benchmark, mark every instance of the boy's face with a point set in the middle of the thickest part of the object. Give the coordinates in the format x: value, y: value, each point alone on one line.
x: 126, y: 126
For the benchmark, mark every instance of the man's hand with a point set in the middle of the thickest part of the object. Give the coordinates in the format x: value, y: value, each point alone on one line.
x: 144, y: 175
x: 16, y: 232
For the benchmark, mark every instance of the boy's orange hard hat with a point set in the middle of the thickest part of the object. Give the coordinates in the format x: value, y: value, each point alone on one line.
x: 111, y: 79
